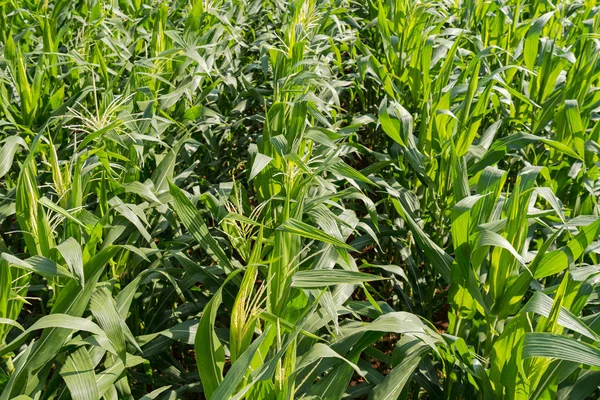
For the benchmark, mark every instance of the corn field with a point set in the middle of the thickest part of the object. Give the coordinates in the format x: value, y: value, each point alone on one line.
x: 326, y: 200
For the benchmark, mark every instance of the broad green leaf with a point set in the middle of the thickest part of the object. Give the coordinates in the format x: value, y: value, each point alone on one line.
x: 193, y: 221
x: 104, y: 310
x: 71, y: 252
x: 260, y: 162
x: 328, y: 277
x: 79, y: 375
x: 549, y: 345
x: 396, y: 379
x: 560, y: 259
x: 10, y: 145
x: 541, y: 304
x: 210, y: 355
x: 319, y: 351
x: 56, y: 208
x: 441, y: 261
x: 303, y: 229
x: 238, y: 370
x: 39, y: 265
x: 54, y: 321
x: 6, y: 321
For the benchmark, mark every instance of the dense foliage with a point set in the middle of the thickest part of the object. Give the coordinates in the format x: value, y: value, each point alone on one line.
x: 263, y: 199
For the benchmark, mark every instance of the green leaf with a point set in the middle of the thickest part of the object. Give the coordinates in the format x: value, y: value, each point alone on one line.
x: 549, y: 345
x: 344, y: 170
x: 260, y: 162
x: 39, y: 265
x: 575, y: 126
x: 303, y: 229
x: 393, y: 383
x: 105, y: 312
x: 328, y: 277
x: 319, y: 351
x: 54, y: 321
x: 558, y: 260
x: 541, y: 304
x: 192, y: 220
x: 490, y: 238
x: 6, y: 321
x: 441, y: 260
x: 79, y: 375
x: 210, y: 355
x: 530, y: 50
x: 56, y: 208
x: 239, y: 369
x: 164, y: 172
x: 142, y: 190
x: 72, y: 300
x: 7, y: 152
x: 71, y: 252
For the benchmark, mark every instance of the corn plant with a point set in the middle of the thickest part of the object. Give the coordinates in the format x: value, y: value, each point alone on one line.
x: 248, y: 199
